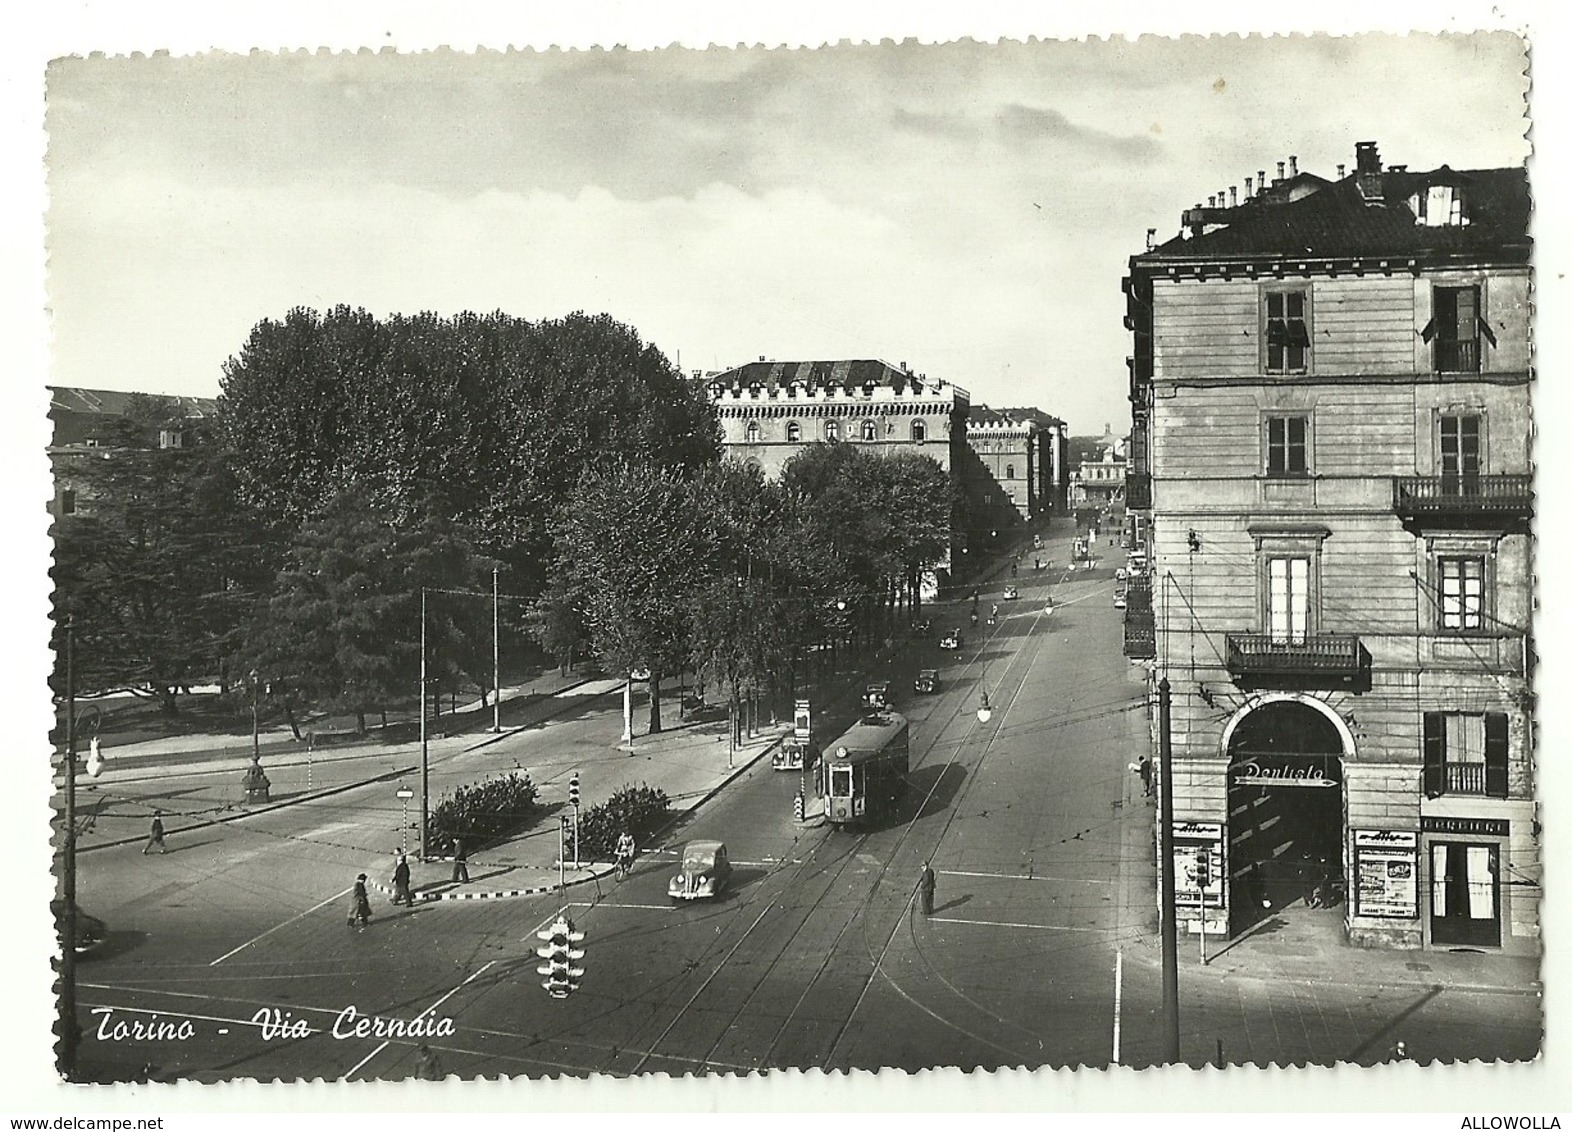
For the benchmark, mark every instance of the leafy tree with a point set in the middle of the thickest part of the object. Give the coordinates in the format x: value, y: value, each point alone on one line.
x: 629, y: 547
x: 160, y: 563
x: 343, y: 627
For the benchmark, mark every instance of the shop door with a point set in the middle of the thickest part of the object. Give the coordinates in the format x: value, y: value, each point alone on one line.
x: 1465, y: 901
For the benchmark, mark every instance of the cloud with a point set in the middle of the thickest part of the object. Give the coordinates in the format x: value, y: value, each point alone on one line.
x: 1019, y: 123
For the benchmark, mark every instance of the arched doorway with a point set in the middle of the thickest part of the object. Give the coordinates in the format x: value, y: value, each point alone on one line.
x: 1285, y: 802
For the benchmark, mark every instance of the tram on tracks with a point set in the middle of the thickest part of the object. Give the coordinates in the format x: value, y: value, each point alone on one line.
x: 862, y: 775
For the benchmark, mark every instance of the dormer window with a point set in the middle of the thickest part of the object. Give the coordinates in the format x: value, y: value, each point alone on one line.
x: 1440, y: 206
x: 867, y: 389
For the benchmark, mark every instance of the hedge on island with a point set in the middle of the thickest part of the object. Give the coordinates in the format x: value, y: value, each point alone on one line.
x: 483, y: 813
x: 639, y: 810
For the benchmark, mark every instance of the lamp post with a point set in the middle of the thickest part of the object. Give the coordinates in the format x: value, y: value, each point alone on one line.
x: 255, y: 782
x: 496, y: 661
x: 425, y: 765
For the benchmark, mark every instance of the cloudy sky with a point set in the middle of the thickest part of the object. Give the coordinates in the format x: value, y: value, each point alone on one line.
x: 967, y: 208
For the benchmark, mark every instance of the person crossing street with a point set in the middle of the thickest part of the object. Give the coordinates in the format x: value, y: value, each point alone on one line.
x: 401, y: 893
x: 460, y: 862
x: 155, y: 834
x: 926, y: 883
x: 360, y: 905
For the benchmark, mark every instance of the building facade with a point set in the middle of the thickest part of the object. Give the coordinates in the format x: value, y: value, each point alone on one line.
x: 84, y: 421
x: 1017, y: 467
x: 1330, y: 455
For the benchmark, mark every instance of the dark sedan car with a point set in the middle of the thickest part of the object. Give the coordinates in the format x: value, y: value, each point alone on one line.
x: 927, y: 681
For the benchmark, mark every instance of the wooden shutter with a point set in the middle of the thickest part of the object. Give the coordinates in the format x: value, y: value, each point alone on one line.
x: 1435, y: 754
x: 1496, y: 754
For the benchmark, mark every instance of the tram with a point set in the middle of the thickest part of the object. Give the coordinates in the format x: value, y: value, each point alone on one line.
x: 862, y: 775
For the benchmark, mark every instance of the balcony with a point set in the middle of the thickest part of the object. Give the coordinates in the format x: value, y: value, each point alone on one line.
x: 1138, y: 492
x: 1464, y: 778
x: 1457, y: 357
x: 1325, y: 658
x: 1140, y: 635
x: 1138, y: 594
x: 1489, y: 502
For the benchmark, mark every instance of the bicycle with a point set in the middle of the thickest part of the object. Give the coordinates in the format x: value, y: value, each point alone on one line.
x: 624, y: 867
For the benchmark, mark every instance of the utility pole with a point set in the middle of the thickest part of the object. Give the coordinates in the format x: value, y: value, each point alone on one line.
x: 425, y: 764
x: 1165, y: 852
x: 496, y: 661
x: 70, y: 1033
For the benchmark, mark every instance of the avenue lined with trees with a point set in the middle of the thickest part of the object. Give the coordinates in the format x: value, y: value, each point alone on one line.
x: 357, y: 464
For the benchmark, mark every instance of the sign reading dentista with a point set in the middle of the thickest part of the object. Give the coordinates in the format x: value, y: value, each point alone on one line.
x: 1286, y: 770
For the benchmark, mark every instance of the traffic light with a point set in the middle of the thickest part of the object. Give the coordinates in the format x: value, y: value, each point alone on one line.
x: 562, y: 977
x: 573, y: 790
x: 1203, y: 869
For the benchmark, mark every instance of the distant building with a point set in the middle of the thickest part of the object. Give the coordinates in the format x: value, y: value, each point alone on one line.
x: 1098, y: 479
x: 1331, y: 442
x: 1019, y: 464
x: 90, y: 420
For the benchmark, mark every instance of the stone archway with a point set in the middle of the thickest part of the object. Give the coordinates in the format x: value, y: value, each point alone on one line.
x: 1285, y: 800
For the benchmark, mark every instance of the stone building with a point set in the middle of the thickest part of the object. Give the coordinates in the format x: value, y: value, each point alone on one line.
x: 83, y: 420
x: 1331, y: 444
x: 1018, y: 464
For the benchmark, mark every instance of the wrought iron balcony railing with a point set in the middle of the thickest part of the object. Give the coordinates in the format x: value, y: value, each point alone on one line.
x: 1337, y: 656
x: 1474, y: 498
x: 1140, y: 635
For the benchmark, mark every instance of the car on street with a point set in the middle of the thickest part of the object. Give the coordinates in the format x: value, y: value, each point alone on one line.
x: 876, y: 697
x: 1010, y: 593
x: 1119, y: 602
x: 90, y: 930
x: 927, y: 681
x: 1121, y: 574
x: 922, y: 628
x: 795, y: 754
x: 704, y: 872
x: 951, y: 640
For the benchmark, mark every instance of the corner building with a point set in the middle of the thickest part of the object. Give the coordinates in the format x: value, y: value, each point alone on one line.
x: 1331, y: 441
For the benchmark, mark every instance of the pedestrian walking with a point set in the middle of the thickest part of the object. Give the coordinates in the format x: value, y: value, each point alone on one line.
x: 360, y: 905
x: 1144, y: 769
x: 1012, y: 569
x: 401, y: 879
x: 427, y: 1067
x: 925, y: 887
x: 155, y: 834
x: 460, y: 863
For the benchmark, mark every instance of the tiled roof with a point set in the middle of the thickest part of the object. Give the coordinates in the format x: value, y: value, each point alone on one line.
x: 117, y: 402
x: 1025, y: 413
x: 1337, y: 221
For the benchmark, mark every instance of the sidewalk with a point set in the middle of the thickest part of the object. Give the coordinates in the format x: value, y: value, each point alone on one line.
x: 688, y: 762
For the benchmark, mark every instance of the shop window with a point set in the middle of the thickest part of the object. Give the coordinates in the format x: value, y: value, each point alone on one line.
x: 1286, y: 312
x: 1288, y: 446
x: 1465, y: 753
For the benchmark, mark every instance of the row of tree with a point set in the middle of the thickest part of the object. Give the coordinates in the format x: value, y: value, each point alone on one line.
x: 357, y: 464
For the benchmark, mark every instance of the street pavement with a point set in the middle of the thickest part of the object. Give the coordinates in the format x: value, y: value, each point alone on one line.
x: 1041, y: 949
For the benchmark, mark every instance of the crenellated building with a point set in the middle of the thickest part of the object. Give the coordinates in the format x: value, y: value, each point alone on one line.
x: 1331, y: 456
x: 1020, y: 463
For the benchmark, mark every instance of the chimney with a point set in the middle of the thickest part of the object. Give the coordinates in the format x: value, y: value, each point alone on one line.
x: 1211, y: 202
x: 903, y: 367
x: 1367, y: 168
x: 1233, y: 196
x: 1151, y: 238
x: 1279, y: 172
x: 761, y: 357
x: 1260, y: 180
x: 1340, y: 168
x: 1293, y: 165
x: 1249, y: 187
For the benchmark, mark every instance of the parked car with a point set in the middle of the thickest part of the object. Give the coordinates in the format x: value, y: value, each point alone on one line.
x: 951, y: 640
x: 1010, y: 592
x: 704, y: 872
x: 927, y: 681
x: 1119, y: 601
x: 90, y: 930
x: 1121, y: 574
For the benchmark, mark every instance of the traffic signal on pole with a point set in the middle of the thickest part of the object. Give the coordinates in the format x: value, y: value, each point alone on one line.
x: 560, y: 954
x: 1203, y: 869
x: 573, y: 790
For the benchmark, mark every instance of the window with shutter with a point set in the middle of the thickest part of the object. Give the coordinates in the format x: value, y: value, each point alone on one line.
x: 1435, y: 755
x: 1287, y: 331
x: 1456, y: 328
x: 1496, y: 754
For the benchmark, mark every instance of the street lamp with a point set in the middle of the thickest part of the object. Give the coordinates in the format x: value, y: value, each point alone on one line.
x: 255, y: 782
x: 984, y: 710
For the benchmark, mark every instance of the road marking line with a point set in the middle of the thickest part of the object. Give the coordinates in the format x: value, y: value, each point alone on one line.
x: 1009, y: 924
x: 274, y: 928
x: 473, y: 976
x: 607, y: 904
x: 1026, y: 876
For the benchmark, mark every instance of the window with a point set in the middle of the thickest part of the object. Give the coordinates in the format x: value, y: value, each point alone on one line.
x: 919, y: 431
x: 832, y: 429
x: 1462, y: 592
x: 67, y: 501
x: 1460, y: 449
x: 752, y: 432
x: 1288, y: 446
x: 1465, y: 754
x: 1288, y: 600
x: 793, y: 432
x: 1009, y: 471
x: 870, y: 430
x: 1455, y: 329
x: 1287, y: 331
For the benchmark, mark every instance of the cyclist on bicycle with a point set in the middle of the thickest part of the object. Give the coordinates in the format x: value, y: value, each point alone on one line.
x: 625, y: 851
